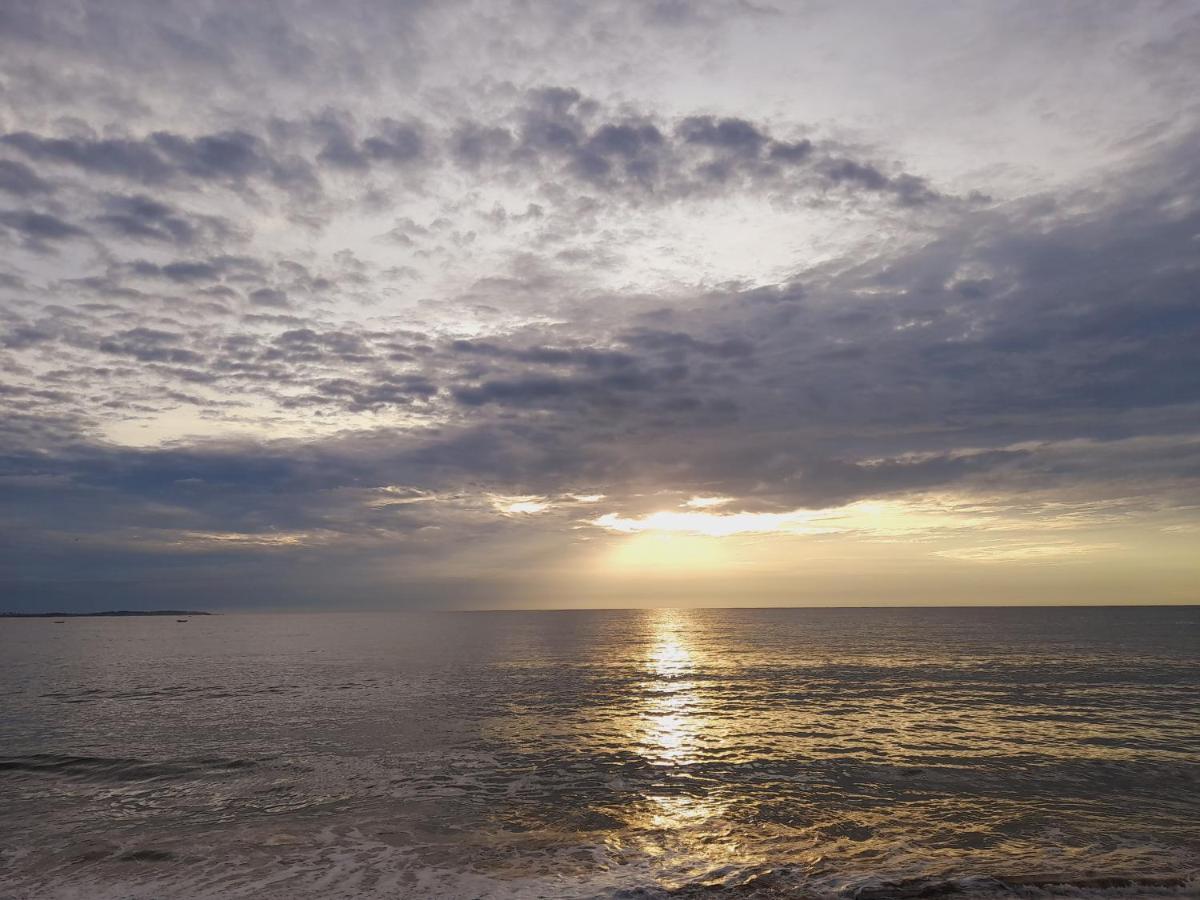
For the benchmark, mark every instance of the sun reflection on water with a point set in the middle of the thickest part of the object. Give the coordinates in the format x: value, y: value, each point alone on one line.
x: 677, y: 728
x: 671, y: 724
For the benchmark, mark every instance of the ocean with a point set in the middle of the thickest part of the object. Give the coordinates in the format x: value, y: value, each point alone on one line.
x: 773, y: 753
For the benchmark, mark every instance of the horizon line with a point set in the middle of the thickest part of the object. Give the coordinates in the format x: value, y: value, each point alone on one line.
x: 109, y: 613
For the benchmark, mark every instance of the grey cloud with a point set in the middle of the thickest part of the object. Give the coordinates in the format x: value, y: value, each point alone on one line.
x: 185, y: 271
x: 393, y: 142
x: 909, y: 189
x: 24, y: 334
x: 39, y: 231
x: 647, y: 158
x: 149, y: 345
x: 396, y: 142
x: 635, y: 147
x: 790, y: 151
x: 17, y: 178
x: 736, y: 136
x: 385, y: 391
x: 560, y: 131
x: 587, y: 357
x: 339, y: 147
x: 230, y: 156
x: 137, y: 160
x: 233, y: 155
x: 305, y: 344
x: 190, y: 271
x: 677, y: 343
x: 472, y: 144
x: 549, y: 390
x: 847, y: 170
x: 269, y: 297
x: 140, y: 217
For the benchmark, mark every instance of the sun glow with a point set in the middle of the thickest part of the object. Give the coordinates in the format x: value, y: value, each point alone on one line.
x: 663, y: 553
x: 885, y: 518
x: 707, y: 502
x: 715, y: 524
x: 520, y: 505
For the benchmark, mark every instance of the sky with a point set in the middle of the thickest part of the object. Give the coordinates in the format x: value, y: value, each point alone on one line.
x: 517, y: 304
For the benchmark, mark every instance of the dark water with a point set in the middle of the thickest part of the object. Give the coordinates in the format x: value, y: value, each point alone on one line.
x: 757, y: 753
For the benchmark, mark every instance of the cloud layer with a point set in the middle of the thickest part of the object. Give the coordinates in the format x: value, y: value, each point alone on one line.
x: 365, y: 319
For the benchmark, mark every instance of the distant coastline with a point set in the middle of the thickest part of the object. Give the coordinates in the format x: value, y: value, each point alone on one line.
x: 108, y: 613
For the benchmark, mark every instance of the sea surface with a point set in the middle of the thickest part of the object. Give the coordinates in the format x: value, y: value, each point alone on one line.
x: 810, y: 753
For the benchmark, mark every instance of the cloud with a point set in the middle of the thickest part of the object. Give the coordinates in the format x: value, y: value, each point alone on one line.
x: 392, y: 142
x: 640, y: 157
x: 627, y: 273
x: 548, y: 390
x: 230, y: 157
x: 39, y: 231
x: 148, y: 345
x: 142, y: 218
x: 269, y: 297
x: 18, y: 179
x: 386, y: 391
x: 132, y: 159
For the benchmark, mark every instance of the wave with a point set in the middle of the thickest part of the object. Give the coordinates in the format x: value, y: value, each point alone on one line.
x: 783, y: 884
x: 1031, y: 886
x: 351, y: 868
x: 101, y: 768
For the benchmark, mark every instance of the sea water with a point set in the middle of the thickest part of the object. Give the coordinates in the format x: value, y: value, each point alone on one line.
x: 807, y: 753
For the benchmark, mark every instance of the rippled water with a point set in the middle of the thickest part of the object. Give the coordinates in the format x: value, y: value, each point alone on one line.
x: 750, y: 753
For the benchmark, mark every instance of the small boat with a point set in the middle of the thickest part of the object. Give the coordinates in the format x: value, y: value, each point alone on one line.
x: 59, y: 621
x: 183, y: 620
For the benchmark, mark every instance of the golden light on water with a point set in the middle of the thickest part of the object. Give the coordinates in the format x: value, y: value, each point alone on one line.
x: 673, y: 725
x: 670, y: 657
x: 676, y: 727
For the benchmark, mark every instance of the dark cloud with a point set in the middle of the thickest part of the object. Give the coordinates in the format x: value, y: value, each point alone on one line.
x: 231, y: 157
x: 39, y: 231
x: 199, y: 270
x: 696, y: 155
x: 269, y: 297
x: 140, y: 217
x: 305, y: 344
x: 19, y: 336
x: 383, y: 391
x: 472, y: 144
x: 677, y: 344
x: 149, y: 345
x: 392, y: 142
x: 396, y: 143
x: 586, y: 357
x: 17, y: 178
x: 790, y: 151
x: 549, y: 390
x: 735, y: 136
x: 132, y: 159
x: 560, y: 133
x: 908, y: 189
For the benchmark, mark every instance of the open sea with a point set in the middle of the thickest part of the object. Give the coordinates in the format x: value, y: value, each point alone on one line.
x: 800, y: 753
